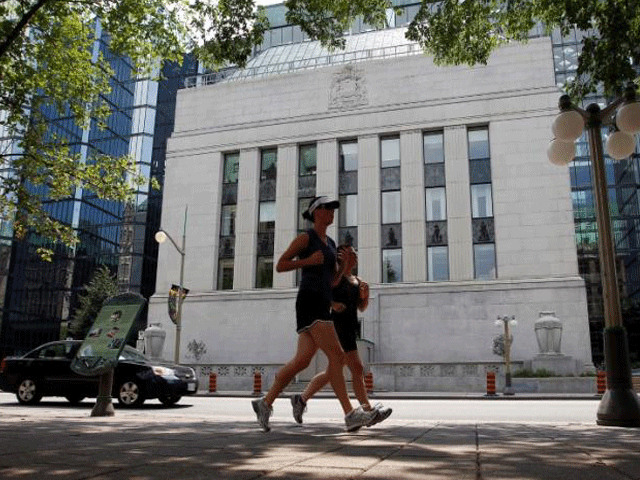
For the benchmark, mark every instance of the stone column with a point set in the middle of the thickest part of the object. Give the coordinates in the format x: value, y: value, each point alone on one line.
x: 286, y: 210
x: 458, y: 203
x: 414, y: 251
x: 244, y: 271
x: 327, y: 177
x: 369, y: 205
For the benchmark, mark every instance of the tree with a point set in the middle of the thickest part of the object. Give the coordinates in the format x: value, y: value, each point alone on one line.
x: 102, y: 286
x: 48, y: 70
x: 466, y: 32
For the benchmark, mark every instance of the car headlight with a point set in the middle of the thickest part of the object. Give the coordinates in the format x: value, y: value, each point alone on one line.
x: 164, y: 371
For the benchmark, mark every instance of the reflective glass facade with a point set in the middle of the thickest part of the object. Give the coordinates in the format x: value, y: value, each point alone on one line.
x: 40, y: 296
x: 623, y: 179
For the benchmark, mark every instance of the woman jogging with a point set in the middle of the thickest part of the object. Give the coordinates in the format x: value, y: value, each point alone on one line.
x: 350, y: 295
x: 315, y: 253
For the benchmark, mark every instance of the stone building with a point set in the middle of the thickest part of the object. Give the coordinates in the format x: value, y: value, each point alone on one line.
x: 445, y: 190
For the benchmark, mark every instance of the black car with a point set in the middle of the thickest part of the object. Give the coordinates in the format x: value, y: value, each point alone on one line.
x: 46, y: 371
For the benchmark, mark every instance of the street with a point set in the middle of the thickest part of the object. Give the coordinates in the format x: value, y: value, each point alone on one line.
x: 328, y: 409
x: 218, y: 438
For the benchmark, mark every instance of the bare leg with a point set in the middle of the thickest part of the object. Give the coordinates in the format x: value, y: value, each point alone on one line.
x: 352, y: 359
x: 326, y: 339
x: 314, y: 386
x: 305, y: 352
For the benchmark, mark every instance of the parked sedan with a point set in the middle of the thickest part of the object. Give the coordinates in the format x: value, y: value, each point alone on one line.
x: 46, y: 371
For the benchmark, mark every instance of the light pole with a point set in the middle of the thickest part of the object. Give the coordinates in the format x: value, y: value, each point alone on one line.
x: 619, y: 405
x: 161, y: 237
x: 506, y: 322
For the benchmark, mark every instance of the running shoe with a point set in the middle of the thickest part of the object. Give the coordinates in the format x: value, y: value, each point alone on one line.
x: 263, y: 412
x: 358, y: 418
x: 381, y: 413
x: 299, y: 407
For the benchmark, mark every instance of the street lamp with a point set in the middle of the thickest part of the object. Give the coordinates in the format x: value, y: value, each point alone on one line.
x: 619, y: 405
x: 161, y: 236
x: 506, y: 322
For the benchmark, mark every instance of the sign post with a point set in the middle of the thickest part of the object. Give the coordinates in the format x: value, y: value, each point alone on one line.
x: 100, y: 350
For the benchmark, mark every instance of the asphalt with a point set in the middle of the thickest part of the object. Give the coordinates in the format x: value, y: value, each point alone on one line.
x: 68, y: 444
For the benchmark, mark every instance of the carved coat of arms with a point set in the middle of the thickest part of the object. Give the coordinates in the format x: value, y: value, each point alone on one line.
x: 348, y: 89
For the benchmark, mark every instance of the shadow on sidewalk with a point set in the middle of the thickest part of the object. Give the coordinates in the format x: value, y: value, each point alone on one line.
x: 143, y: 447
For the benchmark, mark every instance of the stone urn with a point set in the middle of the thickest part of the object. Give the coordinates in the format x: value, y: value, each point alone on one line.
x: 154, y: 337
x: 548, y: 333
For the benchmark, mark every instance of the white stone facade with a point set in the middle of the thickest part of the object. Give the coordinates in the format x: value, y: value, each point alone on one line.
x: 414, y: 322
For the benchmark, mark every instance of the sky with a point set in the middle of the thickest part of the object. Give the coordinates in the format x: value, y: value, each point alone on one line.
x: 268, y: 2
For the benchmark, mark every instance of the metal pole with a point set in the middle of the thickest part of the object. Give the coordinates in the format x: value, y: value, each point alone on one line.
x: 507, y: 357
x: 619, y: 405
x: 176, y: 357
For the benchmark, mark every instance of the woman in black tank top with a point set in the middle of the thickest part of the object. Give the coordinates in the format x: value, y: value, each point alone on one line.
x: 350, y: 295
x: 315, y: 253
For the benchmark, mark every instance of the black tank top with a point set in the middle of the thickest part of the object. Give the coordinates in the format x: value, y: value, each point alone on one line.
x: 349, y: 294
x: 318, y: 278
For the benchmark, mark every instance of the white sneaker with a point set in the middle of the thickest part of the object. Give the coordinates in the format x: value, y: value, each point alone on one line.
x: 358, y: 418
x: 382, y: 413
x: 263, y: 412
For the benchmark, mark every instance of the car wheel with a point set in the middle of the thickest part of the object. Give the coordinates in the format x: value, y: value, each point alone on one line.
x: 75, y: 399
x: 130, y: 394
x: 28, y: 392
x: 169, y: 400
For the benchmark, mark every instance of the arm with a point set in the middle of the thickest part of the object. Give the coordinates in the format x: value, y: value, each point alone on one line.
x: 341, y: 269
x: 363, y: 301
x: 287, y: 263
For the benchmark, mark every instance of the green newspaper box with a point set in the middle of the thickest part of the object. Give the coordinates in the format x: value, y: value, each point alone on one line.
x: 103, y: 344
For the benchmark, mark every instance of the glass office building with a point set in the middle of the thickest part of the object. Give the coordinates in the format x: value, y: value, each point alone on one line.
x: 40, y: 296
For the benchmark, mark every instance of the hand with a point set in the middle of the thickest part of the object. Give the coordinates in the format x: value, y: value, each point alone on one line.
x: 364, y: 290
x: 338, y: 307
x: 316, y: 258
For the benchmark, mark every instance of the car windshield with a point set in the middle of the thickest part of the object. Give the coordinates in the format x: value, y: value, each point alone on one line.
x: 129, y: 353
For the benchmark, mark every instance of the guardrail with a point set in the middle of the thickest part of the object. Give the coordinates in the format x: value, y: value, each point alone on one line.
x: 302, y: 64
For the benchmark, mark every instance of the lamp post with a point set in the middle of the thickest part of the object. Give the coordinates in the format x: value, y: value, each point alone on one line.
x: 506, y: 322
x: 619, y: 405
x: 161, y: 237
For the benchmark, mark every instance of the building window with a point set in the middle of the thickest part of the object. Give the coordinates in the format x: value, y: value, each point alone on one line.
x: 231, y: 167
x: 433, y: 147
x: 308, y: 160
x: 226, y: 250
x: 266, y: 229
x: 438, y: 263
x: 484, y: 261
x: 391, y: 265
x: 228, y: 224
x: 348, y: 211
x: 481, y: 204
x: 436, y: 204
x: 348, y: 156
x: 390, y: 152
x: 484, y: 251
x: 268, y: 167
x: 266, y: 218
x: 391, y: 209
x: 391, y: 218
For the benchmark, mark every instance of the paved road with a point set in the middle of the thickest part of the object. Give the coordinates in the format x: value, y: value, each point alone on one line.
x: 328, y: 409
x: 216, y: 438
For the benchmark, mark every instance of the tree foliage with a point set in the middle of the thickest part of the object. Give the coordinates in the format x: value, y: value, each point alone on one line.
x: 467, y: 31
x: 49, y: 69
x: 102, y: 286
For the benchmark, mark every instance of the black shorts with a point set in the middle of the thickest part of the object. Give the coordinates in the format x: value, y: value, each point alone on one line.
x: 311, y: 308
x: 347, y: 334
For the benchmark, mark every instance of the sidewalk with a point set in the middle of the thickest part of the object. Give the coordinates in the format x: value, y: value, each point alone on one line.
x: 135, y: 445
